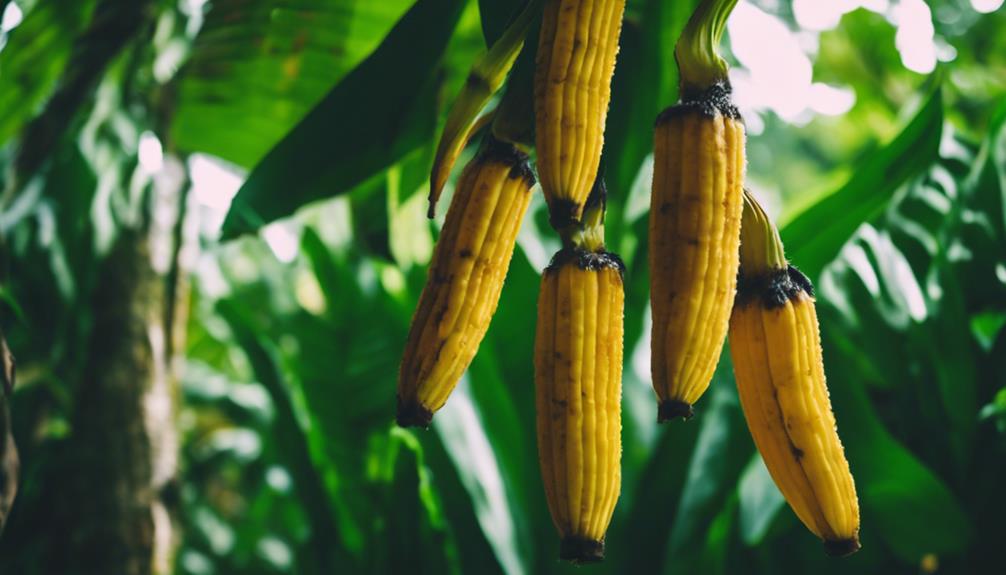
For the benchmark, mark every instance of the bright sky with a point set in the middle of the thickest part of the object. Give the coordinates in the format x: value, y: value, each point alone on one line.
x: 12, y: 16
x: 776, y: 70
x: 986, y: 6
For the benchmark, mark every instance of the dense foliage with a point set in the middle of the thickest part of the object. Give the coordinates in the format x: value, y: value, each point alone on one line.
x: 300, y: 299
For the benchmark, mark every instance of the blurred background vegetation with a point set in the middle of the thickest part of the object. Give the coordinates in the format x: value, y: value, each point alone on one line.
x: 206, y: 376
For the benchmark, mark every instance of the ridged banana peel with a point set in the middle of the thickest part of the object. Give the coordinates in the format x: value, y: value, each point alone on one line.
x: 695, y: 217
x: 465, y: 279
x: 775, y: 345
x: 578, y: 380
x: 575, y: 63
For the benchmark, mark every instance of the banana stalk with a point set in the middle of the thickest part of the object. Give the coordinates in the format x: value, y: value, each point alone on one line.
x: 464, y: 281
x: 695, y: 216
x: 578, y: 379
x: 484, y: 79
x: 775, y: 344
x: 575, y: 62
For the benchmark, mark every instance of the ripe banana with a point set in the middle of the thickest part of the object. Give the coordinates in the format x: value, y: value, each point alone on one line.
x: 775, y: 344
x: 575, y: 62
x: 463, y: 284
x: 578, y: 379
x: 695, y: 211
x: 695, y: 216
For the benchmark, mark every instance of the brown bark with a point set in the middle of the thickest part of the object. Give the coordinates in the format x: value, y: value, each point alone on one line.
x: 109, y: 508
x: 122, y: 491
x: 9, y: 462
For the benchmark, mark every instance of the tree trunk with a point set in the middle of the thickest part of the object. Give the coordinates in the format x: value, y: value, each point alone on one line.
x: 112, y: 498
x: 122, y: 494
x: 9, y: 462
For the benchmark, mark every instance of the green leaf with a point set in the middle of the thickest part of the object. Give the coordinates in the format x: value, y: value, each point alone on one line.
x: 414, y: 536
x: 495, y: 15
x: 327, y: 540
x: 689, y: 475
x: 890, y: 480
x: 918, y: 279
x: 814, y: 237
x: 335, y: 279
x: 759, y: 501
x: 656, y: 501
x: 256, y: 68
x: 716, y: 553
x: 986, y: 327
x: 370, y: 215
x: 410, y: 240
x: 476, y: 554
x: 368, y: 121
x: 722, y: 450
x: 459, y: 427
x: 35, y: 55
x: 7, y: 297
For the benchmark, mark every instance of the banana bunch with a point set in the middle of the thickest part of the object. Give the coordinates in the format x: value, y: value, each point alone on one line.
x: 698, y: 259
x: 572, y: 88
x: 464, y: 281
x: 578, y: 383
x: 695, y: 216
x: 775, y: 344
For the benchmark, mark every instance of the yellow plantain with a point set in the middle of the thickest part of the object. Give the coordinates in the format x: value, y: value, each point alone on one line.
x: 578, y: 377
x: 464, y: 280
x: 775, y: 344
x: 575, y: 62
x: 578, y: 381
x: 695, y: 214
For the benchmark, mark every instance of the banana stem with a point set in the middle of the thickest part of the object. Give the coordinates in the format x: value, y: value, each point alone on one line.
x: 485, y: 79
x: 699, y: 61
x: 761, y: 247
x: 500, y: 58
x: 588, y: 233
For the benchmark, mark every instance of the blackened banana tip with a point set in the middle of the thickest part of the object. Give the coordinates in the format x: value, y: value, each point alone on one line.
x: 773, y: 289
x: 842, y: 547
x: 709, y: 103
x: 581, y: 550
x: 672, y: 409
x: 412, y: 414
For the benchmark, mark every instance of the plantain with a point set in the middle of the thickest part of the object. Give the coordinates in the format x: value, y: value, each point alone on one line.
x: 775, y: 344
x: 695, y: 215
x: 575, y: 62
x: 465, y: 278
x: 578, y: 380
